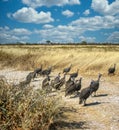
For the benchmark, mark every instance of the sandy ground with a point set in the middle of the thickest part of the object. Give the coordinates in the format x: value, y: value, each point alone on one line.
x: 100, y: 113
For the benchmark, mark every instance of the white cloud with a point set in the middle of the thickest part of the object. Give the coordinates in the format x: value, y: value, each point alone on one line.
x: 114, y: 37
x: 74, y: 31
x: 63, y: 34
x: 29, y: 15
x: 87, y: 39
x: 60, y: 33
x: 21, y: 31
x: 38, y: 3
x: 86, y: 12
x: 103, y: 7
x: 15, y: 35
x: 9, y: 15
x: 48, y: 26
x: 96, y: 23
x: 68, y: 13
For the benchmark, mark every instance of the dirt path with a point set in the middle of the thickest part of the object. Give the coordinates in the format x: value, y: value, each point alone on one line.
x: 101, y: 112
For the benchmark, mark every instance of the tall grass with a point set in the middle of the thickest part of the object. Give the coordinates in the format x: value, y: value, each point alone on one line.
x: 90, y: 59
x: 25, y: 108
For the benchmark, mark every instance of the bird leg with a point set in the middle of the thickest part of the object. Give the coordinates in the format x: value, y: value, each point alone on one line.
x: 84, y: 102
x: 77, y: 93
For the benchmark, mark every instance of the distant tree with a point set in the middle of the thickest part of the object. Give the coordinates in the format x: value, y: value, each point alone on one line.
x: 48, y: 42
x: 84, y: 43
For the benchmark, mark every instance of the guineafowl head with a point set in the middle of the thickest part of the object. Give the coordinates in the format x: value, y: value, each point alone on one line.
x: 70, y: 65
x: 59, y: 74
x: 77, y: 70
x: 81, y: 78
x: 100, y: 75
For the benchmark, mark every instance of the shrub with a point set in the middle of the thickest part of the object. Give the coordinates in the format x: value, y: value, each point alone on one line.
x: 26, y: 108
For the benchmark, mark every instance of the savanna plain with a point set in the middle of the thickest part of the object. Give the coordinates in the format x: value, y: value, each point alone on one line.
x: 31, y: 108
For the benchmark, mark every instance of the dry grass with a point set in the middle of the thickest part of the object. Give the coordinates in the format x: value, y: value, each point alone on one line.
x: 90, y: 59
x: 25, y: 109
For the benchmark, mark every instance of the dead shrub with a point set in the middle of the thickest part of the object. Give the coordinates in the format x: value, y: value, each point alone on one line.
x: 25, y: 108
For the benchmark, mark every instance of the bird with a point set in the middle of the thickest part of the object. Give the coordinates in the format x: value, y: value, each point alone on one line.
x: 66, y: 70
x: 74, y: 75
x: 69, y: 82
x: 46, y: 84
x: 31, y: 76
x: 95, y: 84
x: 58, y: 82
x: 78, y: 84
x: 38, y: 70
x: 55, y: 80
x: 62, y: 80
x: 85, y: 93
x: 70, y: 90
x: 73, y: 88
x: 111, y: 70
x: 46, y: 71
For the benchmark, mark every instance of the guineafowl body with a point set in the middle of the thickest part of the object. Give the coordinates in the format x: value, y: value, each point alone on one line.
x: 45, y: 83
x: 112, y: 70
x: 66, y: 70
x: 95, y: 84
x: 78, y: 84
x: 31, y: 76
x: 85, y: 93
x: 74, y: 75
x: 46, y: 71
x: 38, y: 70
x: 69, y: 82
x: 73, y: 88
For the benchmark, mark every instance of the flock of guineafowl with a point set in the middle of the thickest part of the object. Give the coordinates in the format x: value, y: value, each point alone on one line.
x: 72, y: 85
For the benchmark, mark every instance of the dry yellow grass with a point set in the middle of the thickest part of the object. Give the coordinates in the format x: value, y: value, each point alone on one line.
x: 22, y: 108
x: 90, y: 59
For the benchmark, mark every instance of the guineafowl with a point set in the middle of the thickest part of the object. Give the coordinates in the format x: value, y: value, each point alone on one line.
x: 31, y: 76
x: 62, y: 80
x: 57, y: 78
x: 69, y: 82
x: 73, y: 88
x: 55, y: 81
x: 111, y: 70
x: 38, y: 70
x: 95, y: 84
x: 74, y: 75
x: 46, y: 84
x: 78, y: 84
x: 85, y: 93
x: 46, y: 71
x: 66, y: 70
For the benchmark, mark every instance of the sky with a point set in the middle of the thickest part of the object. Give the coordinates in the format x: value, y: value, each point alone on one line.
x: 60, y: 21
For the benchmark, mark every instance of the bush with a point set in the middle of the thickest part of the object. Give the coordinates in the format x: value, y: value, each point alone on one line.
x: 26, y: 108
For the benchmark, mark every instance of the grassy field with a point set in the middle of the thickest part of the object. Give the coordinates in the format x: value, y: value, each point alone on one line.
x: 41, y: 110
x: 90, y: 59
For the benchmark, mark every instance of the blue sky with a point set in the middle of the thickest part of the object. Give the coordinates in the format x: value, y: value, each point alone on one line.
x: 37, y: 21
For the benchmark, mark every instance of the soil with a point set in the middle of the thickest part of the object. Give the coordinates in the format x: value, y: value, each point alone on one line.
x: 100, y: 113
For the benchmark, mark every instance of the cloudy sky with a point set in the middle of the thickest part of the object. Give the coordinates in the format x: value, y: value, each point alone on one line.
x: 63, y: 21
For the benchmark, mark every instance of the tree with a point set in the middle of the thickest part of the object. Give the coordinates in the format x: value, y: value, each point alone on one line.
x: 84, y: 43
x: 48, y: 41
